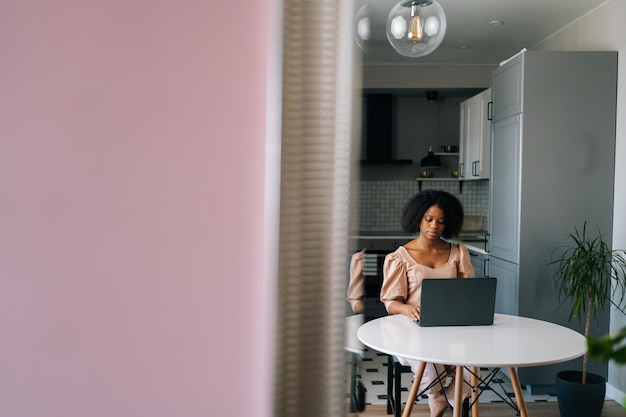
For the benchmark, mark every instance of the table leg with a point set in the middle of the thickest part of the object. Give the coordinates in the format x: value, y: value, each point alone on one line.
x: 414, y: 390
x: 474, y: 383
x: 458, y: 392
x: 519, y: 397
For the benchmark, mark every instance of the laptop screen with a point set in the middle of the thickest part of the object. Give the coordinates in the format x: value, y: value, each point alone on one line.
x: 457, y: 301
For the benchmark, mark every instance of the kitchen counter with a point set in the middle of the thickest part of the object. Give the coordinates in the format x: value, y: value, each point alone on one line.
x: 391, y: 240
x: 473, y: 245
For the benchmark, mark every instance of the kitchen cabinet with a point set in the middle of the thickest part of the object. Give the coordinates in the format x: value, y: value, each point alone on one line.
x: 552, y: 169
x: 378, y: 123
x: 475, y: 137
x: 504, y: 212
x: 508, y: 84
x: 507, y: 274
x: 479, y: 262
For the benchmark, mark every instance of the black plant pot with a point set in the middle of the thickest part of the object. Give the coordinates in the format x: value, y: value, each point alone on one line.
x: 576, y: 399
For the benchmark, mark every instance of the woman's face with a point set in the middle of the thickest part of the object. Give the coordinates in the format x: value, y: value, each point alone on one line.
x: 433, y: 223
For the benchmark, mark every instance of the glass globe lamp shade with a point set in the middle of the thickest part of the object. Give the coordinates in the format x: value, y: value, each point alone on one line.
x: 415, y: 28
x: 362, y: 27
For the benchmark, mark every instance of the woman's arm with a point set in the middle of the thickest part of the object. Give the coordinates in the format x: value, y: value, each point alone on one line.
x: 396, y: 307
x: 465, y: 268
x: 394, y: 291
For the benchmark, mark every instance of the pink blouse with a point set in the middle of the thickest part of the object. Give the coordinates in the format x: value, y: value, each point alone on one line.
x: 403, y: 275
x: 356, y: 288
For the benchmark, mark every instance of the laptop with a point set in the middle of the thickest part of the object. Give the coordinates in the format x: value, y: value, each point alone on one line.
x: 457, y: 302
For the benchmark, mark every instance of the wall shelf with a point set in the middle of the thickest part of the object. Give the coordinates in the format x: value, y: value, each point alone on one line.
x: 439, y: 179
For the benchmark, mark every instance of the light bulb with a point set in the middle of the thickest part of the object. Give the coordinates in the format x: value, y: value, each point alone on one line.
x: 398, y: 27
x: 431, y: 27
x: 362, y: 27
x: 416, y: 30
x: 416, y: 27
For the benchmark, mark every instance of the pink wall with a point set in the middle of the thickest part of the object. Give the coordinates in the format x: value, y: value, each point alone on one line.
x: 131, y: 208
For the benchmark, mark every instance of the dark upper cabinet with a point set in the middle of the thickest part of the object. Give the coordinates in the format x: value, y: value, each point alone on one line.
x: 378, y: 130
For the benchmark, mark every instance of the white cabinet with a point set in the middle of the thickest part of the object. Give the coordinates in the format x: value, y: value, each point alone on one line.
x: 505, y: 219
x: 508, y: 86
x: 507, y: 274
x: 552, y: 169
x: 475, y: 137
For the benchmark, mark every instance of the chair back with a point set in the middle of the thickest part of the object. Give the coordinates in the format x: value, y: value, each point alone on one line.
x: 373, y: 274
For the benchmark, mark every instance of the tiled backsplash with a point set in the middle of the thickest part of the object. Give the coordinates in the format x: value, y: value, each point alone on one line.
x: 380, y: 202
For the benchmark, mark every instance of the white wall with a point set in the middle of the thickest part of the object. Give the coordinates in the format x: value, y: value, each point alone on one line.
x: 132, y: 137
x: 603, y: 29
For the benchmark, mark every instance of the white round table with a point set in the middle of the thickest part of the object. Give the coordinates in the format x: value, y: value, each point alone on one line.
x: 510, y: 342
x: 351, y: 342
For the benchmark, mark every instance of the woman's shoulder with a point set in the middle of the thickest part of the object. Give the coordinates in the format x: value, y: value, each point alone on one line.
x: 458, y: 249
x: 400, y: 255
x: 358, y: 256
x: 459, y: 245
x: 400, y: 252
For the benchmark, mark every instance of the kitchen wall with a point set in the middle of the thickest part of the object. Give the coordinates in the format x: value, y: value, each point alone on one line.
x: 601, y: 30
x: 417, y: 124
x: 427, y: 76
x: 380, y: 202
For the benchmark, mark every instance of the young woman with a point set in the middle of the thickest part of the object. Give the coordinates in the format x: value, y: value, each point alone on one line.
x: 432, y: 215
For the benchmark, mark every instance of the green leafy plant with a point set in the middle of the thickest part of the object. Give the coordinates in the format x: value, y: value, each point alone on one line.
x: 609, y: 347
x: 589, y: 274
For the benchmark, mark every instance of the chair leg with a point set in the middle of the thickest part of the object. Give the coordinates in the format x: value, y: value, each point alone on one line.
x: 398, y: 389
x: 390, y: 379
x: 353, y: 385
x: 465, y: 411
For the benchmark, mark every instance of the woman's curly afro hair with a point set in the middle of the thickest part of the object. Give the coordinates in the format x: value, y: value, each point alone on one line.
x: 416, y: 207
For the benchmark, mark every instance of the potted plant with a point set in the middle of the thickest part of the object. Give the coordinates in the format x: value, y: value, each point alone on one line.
x: 589, y: 274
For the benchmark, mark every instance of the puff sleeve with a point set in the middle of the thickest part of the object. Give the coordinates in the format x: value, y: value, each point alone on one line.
x: 465, y: 269
x: 356, y: 287
x: 395, y: 285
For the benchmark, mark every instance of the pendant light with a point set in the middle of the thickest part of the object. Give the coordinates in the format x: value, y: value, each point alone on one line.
x: 416, y: 27
x: 362, y: 28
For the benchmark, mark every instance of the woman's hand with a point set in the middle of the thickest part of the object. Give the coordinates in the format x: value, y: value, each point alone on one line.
x: 413, y: 312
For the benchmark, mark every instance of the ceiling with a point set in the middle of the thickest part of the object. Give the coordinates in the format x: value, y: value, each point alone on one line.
x: 525, y: 24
